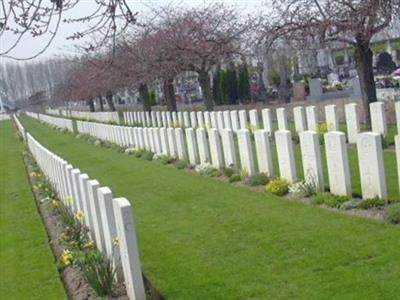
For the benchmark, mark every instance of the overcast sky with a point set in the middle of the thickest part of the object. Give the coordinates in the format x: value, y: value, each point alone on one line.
x: 30, y: 46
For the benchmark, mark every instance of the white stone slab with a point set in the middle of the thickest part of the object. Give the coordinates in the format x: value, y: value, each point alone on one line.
x: 397, y: 108
x: 186, y: 119
x: 371, y: 164
x: 202, y: 142
x: 254, y: 123
x: 207, y: 119
x: 193, y: 119
x: 234, y: 120
x: 300, y: 123
x: 284, y: 147
x: 338, y: 163
x: 267, y: 120
x: 193, y: 151
x: 220, y: 120
x: 352, y: 122
x: 397, y: 146
x: 242, y: 119
x: 93, y: 186
x: 281, y: 116
x: 128, y: 245
x: 263, y: 150
x: 246, y: 152
x: 378, y: 118
x: 172, y: 142
x: 227, y: 119
x: 312, y: 118
x: 164, y: 141
x: 213, y: 119
x: 200, y: 119
x: 332, y: 118
x: 228, y: 146
x: 180, y: 144
x: 215, y: 148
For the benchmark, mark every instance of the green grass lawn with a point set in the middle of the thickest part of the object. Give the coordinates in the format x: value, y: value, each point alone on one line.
x: 201, y: 238
x: 27, y: 266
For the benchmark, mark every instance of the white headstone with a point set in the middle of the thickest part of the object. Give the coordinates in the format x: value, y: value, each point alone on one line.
x: 267, y: 120
x: 207, y: 119
x: 378, y: 118
x: 311, y: 158
x: 228, y: 146
x: 300, y: 123
x: 220, y: 120
x: 397, y: 108
x: 242, y: 119
x: 128, y: 247
x: 332, y: 118
x: 352, y: 122
x: 246, y: 152
x: 172, y: 142
x: 263, y: 150
x: 371, y: 164
x: 180, y: 144
x: 284, y: 147
x: 397, y: 146
x: 93, y: 186
x: 164, y: 141
x: 215, y: 148
x: 186, y: 119
x: 202, y: 142
x: 200, y: 119
x: 312, y: 118
x: 234, y: 120
x: 254, y: 123
x: 227, y: 119
x: 338, y: 163
x: 193, y: 151
x: 213, y: 119
x: 281, y: 116
x: 193, y: 119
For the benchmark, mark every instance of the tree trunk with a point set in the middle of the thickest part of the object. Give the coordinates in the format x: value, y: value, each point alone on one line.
x: 101, y: 103
x: 204, y: 81
x: 169, y: 94
x: 144, y: 97
x: 364, y: 62
x: 109, y: 99
x: 91, y: 104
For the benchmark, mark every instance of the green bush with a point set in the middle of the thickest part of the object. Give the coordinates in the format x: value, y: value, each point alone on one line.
x: 278, y: 186
x: 228, y: 172
x: 147, y: 155
x: 257, y: 179
x: 211, y: 172
x: 351, y: 204
x: 392, y: 214
x: 165, y: 159
x: 235, y: 178
x: 181, y: 164
x: 371, y: 203
x: 330, y: 200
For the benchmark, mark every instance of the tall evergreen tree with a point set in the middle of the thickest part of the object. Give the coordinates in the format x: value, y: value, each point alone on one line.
x: 244, y: 84
x: 217, y: 92
x: 232, y: 83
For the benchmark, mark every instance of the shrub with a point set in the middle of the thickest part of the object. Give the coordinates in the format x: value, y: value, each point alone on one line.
x: 228, y: 172
x: 392, y: 214
x: 257, y: 179
x: 147, y: 155
x: 371, y: 203
x: 211, y: 172
x: 165, y: 159
x: 303, y: 189
x: 278, y: 186
x: 330, y: 200
x: 235, y: 178
x: 181, y: 164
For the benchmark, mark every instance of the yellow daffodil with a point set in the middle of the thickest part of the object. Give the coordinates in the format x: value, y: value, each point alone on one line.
x: 80, y: 215
x: 89, y: 245
x: 54, y: 203
x: 66, y: 258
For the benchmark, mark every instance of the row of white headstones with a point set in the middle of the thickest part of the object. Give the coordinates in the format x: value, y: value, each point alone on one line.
x: 58, y: 122
x: 100, y: 116
x: 304, y: 119
x: 217, y: 147
x: 108, y: 219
